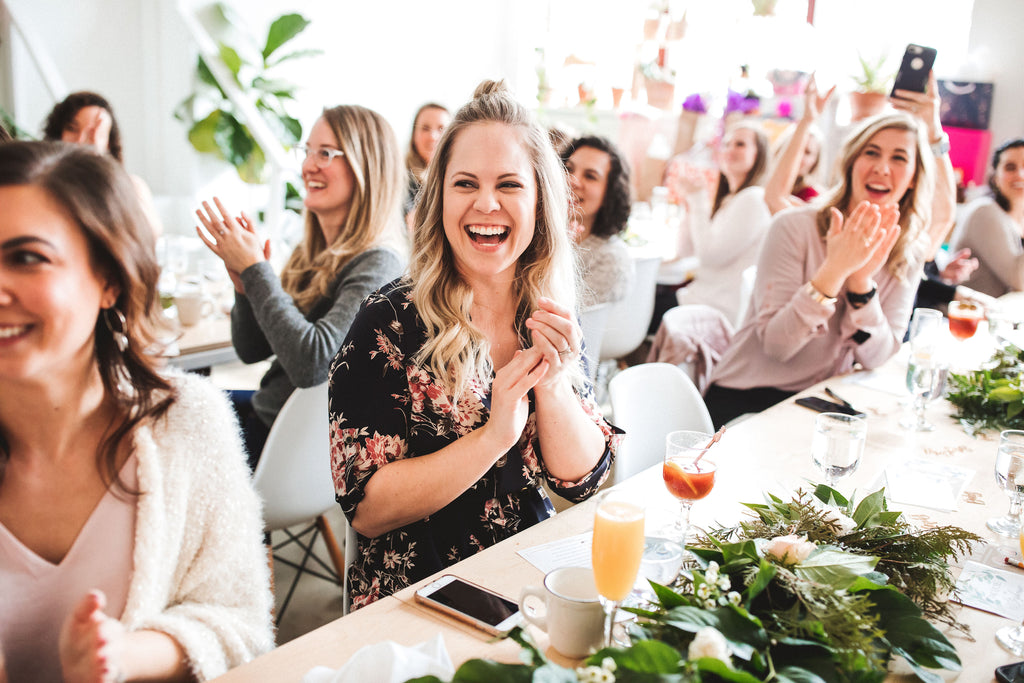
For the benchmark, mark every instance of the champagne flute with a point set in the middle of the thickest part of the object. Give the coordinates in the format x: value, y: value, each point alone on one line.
x: 686, y: 478
x: 616, y: 550
x: 927, y: 368
x: 1009, y: 472
x: 1012, y: 637
x: 838, y: 444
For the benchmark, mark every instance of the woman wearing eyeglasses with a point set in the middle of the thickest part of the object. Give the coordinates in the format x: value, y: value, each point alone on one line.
x: 353, y: 175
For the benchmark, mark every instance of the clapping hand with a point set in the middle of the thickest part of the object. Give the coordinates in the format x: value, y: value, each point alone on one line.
x: 556, y: 334
x: 234, y: 240
x: 91, y: 643
x: 857, y: 247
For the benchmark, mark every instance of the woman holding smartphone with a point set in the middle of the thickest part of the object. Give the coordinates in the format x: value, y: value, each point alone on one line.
x: 836, y: 282
x: 460, y: 388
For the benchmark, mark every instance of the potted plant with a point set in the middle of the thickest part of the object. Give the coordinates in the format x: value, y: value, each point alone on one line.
x: 215, y: 126
x: 873, y: 83
x: 659, y: 82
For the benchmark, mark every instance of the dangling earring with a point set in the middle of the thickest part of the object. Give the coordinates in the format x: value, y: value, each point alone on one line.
x: 119, y: 336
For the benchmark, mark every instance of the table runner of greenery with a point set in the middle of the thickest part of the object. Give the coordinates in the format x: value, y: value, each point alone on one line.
x: 813, y: 590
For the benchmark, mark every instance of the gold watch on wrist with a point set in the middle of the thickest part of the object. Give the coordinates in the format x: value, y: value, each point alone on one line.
x: 818, y: 295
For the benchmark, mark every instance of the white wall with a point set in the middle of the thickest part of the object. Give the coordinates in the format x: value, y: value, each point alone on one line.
x: 995, y: 54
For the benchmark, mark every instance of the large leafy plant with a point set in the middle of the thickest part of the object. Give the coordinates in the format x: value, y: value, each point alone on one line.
x: 992, y: 398
x: 813, y: 590
x: 216, y: 126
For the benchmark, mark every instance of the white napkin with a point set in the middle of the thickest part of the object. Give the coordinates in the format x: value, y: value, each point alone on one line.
x: 389, y: 662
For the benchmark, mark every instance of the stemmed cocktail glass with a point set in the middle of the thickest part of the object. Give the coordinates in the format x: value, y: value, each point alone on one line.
x: 927, y: 367
x: 688, y: 474
x: 618, y: 545
x: 1009, y: 472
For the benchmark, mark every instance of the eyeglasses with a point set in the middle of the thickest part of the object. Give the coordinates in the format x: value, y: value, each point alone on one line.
x: 322, y: 157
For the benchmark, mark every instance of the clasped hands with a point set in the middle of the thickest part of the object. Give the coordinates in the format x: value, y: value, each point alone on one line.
x: 557, y: 343
x: 234, y: 240
x: 857, y: 247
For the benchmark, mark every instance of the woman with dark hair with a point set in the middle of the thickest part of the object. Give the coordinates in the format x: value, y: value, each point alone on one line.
x: 352, y: 244
x: 86, y: 118
x: 460, y: 388
x: 836, y: 281
x: 725, y: 236
x: 993, y: 227
x: 130, y: 538
x: 599, y: 181
x: 427, y: 127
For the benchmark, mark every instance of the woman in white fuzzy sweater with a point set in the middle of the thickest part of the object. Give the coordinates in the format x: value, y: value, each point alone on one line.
x: 130, y: 538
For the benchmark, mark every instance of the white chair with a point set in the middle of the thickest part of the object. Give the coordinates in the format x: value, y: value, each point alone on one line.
x: 629, y: 318
x: 293, y: 478
x: 649, y: 401
x: 593, y: 320
x: 747, y: 280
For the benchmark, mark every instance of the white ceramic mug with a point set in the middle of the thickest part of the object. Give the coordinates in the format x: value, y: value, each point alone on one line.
x: 572, y: 617
x: 192, y: 307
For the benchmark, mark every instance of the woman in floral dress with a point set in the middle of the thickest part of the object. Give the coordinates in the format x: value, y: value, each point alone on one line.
x: 460, y: 388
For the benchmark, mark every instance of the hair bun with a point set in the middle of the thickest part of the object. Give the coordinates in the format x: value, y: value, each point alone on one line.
x: 488, y: 87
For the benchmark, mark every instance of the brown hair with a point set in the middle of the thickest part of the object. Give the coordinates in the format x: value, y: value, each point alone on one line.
x: 371, y: 151
x: 722, y: 190
x: 100, y: 198
x: 414, y: 163
x: 63, y: 114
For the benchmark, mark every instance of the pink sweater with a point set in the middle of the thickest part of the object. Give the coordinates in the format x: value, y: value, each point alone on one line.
x: 790, y: 341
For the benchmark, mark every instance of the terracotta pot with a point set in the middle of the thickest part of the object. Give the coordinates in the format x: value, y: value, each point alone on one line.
x: 865, y: 104
x: 660, y: 93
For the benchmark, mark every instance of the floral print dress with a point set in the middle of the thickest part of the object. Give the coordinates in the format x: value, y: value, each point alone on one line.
x: 383, y: 408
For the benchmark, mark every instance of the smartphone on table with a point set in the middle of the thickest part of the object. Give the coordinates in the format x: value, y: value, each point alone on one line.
x: 472, y: 604
x: 913, y: 74
x: 820, y: 405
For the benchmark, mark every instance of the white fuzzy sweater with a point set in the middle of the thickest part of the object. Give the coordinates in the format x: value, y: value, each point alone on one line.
x: 200, y: 567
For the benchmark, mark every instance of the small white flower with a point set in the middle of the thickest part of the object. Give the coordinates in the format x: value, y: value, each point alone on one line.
x: 711, y: 574
x: 703, y: 591
x: 708, y: 642
x: 594, y: 674
x: 735, y: 598
x: 723, y: 601
x: 724, y: 583
x: 608, y: 664
x: 713, y: 566
x: 789, y: 549
x: 709, y: 603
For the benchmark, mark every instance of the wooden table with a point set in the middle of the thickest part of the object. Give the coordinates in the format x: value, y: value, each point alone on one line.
x: 205, y: 344
x: 769, y: 452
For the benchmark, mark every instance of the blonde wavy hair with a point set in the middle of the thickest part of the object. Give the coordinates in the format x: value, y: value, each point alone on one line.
x: 915, y: 204
x: 416, y: 164
x: 374, y: 217
x: 456, y: 351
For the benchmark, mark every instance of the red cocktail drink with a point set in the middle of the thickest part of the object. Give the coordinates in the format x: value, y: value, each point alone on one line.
x: 689, y: 481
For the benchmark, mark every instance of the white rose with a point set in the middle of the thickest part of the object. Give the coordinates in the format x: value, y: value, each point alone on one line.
x: 833, y: 516
x: 709, y: 643
x: 789, y: 549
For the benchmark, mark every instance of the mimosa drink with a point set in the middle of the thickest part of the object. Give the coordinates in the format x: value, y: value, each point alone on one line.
x: 617, y: 548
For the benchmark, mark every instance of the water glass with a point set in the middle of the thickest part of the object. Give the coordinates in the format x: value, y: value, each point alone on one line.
x: 927, y: 367
x: 1012, y: 637
x: 838, y: 444
x: 1009, y: 471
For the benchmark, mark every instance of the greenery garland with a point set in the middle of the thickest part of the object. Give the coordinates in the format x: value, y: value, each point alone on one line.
x: 992, y: 398
x: 813, y: 590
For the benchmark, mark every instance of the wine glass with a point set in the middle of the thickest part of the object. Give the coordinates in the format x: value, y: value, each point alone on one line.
x: 927, y: 367
x: 1010, y: 477
x: 964, y: 317
x: 685, y: 477
x: 1012, y: 637
x: 838, y: 444
x: 616, y: 550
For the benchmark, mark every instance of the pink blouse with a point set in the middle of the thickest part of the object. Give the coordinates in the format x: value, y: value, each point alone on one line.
x: 38, y: 595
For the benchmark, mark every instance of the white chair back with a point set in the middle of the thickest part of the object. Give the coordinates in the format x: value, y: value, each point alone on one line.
x: 293, y: 476
x: 649, y: 401
x: 747, y: 280
x: 629, y: 318
x: 593, y: 320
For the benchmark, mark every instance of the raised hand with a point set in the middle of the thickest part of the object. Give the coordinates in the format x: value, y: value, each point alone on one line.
x: 234, y: 240
x: 886, y: 233
x: 814, y: 102
x: 924, y: 106
x: 91, y: 643
x: 510, y: 406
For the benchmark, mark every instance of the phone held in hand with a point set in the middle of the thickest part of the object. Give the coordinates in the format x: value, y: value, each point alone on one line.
x: 472, y: 604
x: 913, y: 73
x: 820, y: 405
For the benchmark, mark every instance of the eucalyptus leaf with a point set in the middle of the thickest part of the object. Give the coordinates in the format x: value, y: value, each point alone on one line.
x: 486, y: 671
x: 869, y: 507
x: 762, y: 579
x: 646, y: 656
x: 282, y: 30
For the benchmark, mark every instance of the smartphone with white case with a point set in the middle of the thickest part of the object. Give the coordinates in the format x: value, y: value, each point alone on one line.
x: 472, y: 604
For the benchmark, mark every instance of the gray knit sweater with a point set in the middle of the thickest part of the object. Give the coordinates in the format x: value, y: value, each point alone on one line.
x: 265, y: 322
